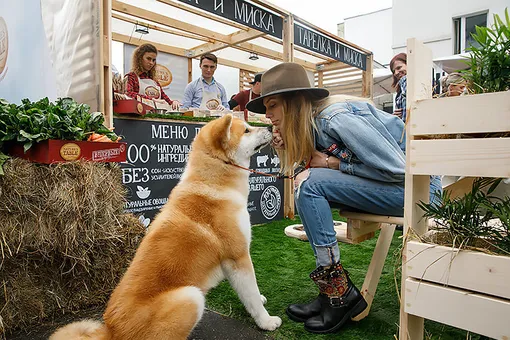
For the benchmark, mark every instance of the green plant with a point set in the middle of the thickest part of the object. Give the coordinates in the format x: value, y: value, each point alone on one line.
x: 467, y: 221
x: 32, y: 122
x: 489, y: 63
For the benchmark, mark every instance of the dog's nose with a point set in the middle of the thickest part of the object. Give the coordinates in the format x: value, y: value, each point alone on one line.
x: 270, y: 128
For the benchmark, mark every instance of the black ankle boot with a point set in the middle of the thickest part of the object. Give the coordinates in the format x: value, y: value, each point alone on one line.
x: 304, y: 311
x: 342, y: 302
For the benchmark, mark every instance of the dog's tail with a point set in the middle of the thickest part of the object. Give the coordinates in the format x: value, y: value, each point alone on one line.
x: 82, y: 330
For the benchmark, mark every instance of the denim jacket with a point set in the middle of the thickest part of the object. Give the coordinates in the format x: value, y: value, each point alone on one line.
x: 365, y: 139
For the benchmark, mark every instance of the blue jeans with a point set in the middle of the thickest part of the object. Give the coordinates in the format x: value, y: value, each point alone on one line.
x: 351, y: 192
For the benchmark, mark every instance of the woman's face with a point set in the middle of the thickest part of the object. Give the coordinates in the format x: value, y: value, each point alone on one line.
x: 399, y: 69
x: 456, y: 90
x: 274, y: 110
x: 148, y: 61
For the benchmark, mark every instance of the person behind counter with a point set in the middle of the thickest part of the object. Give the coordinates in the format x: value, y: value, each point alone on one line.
x: 398, y: 67
x: 243, y: 97
x: 142, y: 78
x: 205, y: 92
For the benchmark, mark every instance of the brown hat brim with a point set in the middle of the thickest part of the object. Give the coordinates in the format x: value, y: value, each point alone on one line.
x: 257, y: 105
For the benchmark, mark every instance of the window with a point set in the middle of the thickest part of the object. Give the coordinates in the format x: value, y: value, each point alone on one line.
x: 462, y: 29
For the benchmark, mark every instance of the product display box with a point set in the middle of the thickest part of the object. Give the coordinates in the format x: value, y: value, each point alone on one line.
x: 131, y: 106
x: 56, y: 151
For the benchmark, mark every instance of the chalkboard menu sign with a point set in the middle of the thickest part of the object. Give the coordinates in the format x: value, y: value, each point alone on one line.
x: 157, y: 152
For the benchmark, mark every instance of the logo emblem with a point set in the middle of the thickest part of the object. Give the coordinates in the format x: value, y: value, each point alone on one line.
x: 152, y: 92
x: 139, y: 107
x: 142, y: 192
x: 70, y: 151
x: 163, y: 75
x: 212, y: 104
x: 270, y: 202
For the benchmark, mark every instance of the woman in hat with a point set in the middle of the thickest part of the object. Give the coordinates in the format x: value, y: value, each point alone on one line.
x: 353, y: 158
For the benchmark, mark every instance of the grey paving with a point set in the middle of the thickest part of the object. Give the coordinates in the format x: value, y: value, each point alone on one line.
x: 213, y: 326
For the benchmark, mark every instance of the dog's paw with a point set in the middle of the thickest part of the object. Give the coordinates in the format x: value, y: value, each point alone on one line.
x: 269, y: 323
x: 263, y: 299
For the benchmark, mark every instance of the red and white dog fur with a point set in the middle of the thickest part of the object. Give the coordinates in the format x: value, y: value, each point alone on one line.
x: 201, y: 236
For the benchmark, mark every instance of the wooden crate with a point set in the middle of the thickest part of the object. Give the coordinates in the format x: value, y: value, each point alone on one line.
x: 465, y: 289
x: 470, y: 270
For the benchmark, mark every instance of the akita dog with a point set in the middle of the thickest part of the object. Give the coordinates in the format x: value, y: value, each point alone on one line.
x: 201, y: 236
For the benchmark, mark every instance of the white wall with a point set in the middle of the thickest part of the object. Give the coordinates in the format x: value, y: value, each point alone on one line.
x: 432, y: 21
x: 372, y: 31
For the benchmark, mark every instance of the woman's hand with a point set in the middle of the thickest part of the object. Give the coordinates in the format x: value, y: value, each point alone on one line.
x: 277, y: 140
x: 176, y: 105
x: 300, y: 178
x: 321, y: 160
x: 398, y: 113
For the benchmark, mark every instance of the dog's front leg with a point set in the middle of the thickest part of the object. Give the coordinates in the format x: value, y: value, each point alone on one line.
x: 241, y: 275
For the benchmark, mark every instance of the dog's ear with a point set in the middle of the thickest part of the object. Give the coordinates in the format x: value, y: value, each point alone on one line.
x: 225, y: 125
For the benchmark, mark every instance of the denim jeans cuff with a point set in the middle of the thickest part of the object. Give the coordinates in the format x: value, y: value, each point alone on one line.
x: 327, y: 255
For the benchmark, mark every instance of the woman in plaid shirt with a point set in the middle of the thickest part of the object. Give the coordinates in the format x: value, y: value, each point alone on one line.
x: 141, y: 80
x: 398, y: 67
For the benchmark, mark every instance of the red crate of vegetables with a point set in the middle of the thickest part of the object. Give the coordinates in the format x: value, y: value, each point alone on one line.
x: 55, y: 151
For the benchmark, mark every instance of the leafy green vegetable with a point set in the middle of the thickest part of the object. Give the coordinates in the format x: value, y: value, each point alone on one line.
x: 32, y: 122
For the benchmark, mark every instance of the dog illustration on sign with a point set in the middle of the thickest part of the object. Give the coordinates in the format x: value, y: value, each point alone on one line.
x: 262, y: 160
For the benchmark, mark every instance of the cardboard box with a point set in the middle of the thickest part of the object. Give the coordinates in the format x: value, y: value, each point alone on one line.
x: 56, y: 151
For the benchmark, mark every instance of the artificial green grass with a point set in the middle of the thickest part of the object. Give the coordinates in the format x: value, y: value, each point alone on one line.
x: 282, y: 265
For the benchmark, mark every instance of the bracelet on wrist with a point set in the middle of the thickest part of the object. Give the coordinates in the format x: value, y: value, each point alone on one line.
x: 327, y: 162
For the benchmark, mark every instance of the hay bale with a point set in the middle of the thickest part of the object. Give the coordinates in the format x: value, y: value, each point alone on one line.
x: 64, y: 239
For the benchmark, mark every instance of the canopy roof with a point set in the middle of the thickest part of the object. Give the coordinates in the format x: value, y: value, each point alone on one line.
x: 191, y: 28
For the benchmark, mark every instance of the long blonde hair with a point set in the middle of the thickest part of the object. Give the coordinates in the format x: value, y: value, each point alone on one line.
x: 298, y: 128
x: 136, y: 60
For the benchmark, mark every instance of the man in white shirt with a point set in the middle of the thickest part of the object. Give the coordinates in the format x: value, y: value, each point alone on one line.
x: 205, y: 92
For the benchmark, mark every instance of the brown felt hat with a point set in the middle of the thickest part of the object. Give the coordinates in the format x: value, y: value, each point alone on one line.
x: 282, y: 78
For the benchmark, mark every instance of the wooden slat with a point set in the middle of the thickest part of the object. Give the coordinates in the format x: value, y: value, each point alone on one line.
x: 417, y: 187
x: 489, y: 112
x: 477, y: 313
x: 373, y: 218
x: 478, y: 157
x: 167, y: 21
x: 368, y: 79
x: 235, y: 38
x: 487, y: 274
x: 123, y: 17
x: 181, y: 52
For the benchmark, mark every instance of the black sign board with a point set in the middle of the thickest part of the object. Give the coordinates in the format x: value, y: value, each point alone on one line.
x: 321, y: 44
x: 156, y: 155
x: 244, y: 13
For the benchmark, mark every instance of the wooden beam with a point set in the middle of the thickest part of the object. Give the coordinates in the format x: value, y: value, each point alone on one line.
x: 181, y: 51
x: 235, y: 38
x: 167, y: 21
x: 336, y: 65
x: 162, y: 48
x: 105, y: 79
x: 320, y: 79
x: 161, y: 29
x: 288, y: 39
x: 368, y: 78
x: 190, y: 70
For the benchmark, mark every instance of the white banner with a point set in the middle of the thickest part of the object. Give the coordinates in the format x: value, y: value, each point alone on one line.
x: 26, y: 70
